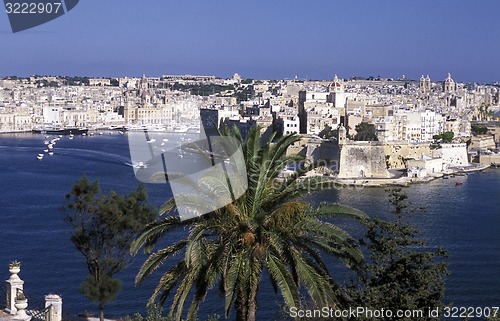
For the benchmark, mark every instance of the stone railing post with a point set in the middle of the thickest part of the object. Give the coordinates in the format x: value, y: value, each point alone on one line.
x: 53, y: 301
x: 21, y: 305
x: 14, y: 283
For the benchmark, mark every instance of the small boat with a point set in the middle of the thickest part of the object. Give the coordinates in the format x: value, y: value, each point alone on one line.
x: 84, y: 134
x: 51, y: 153
x: 458, y: 183
x: 50, y: 146
x: 46, y: 150
x: 39, y: 156
x: 152, y: 140
x: 445, y: 177
x: 140, y: 165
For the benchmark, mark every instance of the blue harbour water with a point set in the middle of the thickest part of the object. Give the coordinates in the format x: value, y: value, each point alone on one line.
x: 464, y: 219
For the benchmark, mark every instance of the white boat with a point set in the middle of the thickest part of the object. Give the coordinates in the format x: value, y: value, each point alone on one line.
x: 152, y: 140
x: 50, y: 146
x: 71, y: 136
x: 51, y: 153
x: 46, y: 150
x: 140, y: 165
x: 84, y: 134
x: 39, y: 156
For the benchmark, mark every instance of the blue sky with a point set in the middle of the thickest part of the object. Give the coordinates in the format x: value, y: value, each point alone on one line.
x: 271, y: 39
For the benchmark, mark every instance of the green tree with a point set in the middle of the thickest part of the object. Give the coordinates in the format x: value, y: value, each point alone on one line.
x: 478, y: 130
x: 269, y: 228
x: 446, y: 137
x: 365, y: 132
x: 401, y: 273
x: 328, y: 133
x: 103, y: 229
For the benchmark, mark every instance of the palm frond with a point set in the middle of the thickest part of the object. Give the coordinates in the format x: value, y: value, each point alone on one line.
x: 284, y: 280
x: 153, y: 231
x: 156, y: 259
x: 333, y: 210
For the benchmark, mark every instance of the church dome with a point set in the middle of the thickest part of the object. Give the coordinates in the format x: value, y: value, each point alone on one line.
x: 335, y: 83
x: 448, y: 79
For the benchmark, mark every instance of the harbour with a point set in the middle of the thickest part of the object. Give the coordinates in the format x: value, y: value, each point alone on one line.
x: 462, y: 219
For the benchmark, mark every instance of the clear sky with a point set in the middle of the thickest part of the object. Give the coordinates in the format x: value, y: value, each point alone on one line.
x: 273, y: 39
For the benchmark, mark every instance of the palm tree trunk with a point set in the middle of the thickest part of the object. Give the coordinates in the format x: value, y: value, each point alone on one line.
x: 241, y: 308
x: 252, y: 308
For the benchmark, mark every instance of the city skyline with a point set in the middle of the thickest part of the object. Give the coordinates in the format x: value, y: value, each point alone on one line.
x: 278, y: 40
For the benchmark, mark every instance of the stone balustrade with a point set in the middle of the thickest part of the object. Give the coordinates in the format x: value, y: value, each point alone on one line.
x: 17, y: 302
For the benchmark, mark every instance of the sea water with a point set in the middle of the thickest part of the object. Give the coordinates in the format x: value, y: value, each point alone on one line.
x: 464, y: 219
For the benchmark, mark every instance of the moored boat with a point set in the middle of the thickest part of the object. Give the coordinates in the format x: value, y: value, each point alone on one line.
x: 61, y: 131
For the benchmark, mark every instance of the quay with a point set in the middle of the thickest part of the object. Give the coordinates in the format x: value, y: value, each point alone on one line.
x: 404, y: 181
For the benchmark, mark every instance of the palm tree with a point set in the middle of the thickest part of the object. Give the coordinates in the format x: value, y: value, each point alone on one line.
x: 269, y: 228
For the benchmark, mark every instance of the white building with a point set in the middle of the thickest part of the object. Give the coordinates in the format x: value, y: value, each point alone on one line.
x: 289, y: 124
x: 51, y: 114
x: 411, y: 126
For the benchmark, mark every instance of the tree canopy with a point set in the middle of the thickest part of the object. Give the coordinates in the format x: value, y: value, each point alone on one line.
x: 446, y: 137
x: 328, y: 133
x: 478, y: 129
x: 365, y: 132
x: 401, y: 273
x: 103, y: 229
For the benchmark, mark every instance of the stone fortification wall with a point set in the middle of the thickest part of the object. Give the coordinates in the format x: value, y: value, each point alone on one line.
x: 397, y: 152
x: 363, y: 160
x: 482, y: 143
x: 452, y: 154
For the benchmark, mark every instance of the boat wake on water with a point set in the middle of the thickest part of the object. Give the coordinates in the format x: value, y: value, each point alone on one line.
x: 95, y: 155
